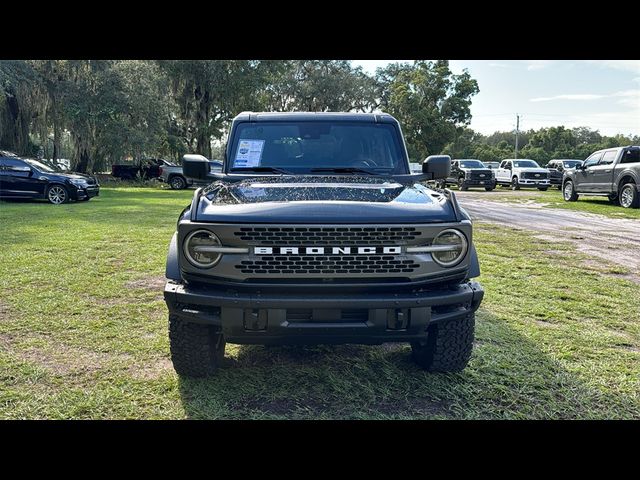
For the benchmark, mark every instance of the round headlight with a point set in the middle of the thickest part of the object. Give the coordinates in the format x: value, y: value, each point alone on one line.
x: 457, y: 248
x: 197, y: 248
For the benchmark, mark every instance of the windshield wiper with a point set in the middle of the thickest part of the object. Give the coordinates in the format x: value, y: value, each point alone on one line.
x: 345, y: 170
x: 262, y: 169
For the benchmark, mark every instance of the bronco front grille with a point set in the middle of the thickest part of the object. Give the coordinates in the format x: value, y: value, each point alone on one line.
x: 333, y: 236
x: 300, y: 265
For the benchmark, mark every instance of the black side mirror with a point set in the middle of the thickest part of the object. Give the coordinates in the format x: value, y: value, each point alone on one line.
x: 437, y: 166
x: 195, y: 166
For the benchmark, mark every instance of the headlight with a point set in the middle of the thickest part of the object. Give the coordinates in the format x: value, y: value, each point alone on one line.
x: 79, y: 183
x: 456, y: 244
x: 197, y: 248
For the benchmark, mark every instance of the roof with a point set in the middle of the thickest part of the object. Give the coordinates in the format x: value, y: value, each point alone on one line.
x: 315, y: 117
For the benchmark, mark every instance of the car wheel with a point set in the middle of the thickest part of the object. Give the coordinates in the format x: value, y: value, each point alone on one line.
x: 488, y: 189
x: 613, y: 198
x: 196, y: 350
x: 461, y: 185
x: 57, y: 194
x: 177, y: 183
x: 568, y: 192
x: 629, y: 196
x: 514, y: 184
x: 448, y: 346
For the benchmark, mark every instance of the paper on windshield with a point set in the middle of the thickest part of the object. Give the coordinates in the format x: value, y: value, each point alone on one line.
x: 249, y: 153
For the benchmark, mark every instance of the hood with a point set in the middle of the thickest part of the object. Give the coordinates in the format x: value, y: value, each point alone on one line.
x: 73, y: 176
x: 532, y: 169
x: 319, y: 199
x: 477, y: 170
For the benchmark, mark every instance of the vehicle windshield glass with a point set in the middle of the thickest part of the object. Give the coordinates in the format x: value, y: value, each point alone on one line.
x: 471, y: 164
x: 41, y: 166
x: 571, y: 164
x: 303, y: 147
x: 525, y: 164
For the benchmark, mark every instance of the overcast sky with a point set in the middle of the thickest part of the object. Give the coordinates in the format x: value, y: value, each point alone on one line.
x: 600, y: 94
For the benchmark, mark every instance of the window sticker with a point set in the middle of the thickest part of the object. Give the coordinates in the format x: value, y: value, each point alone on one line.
x: 249, y: 153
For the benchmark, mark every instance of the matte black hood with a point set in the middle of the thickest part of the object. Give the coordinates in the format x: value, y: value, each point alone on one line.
x: 322, y: 199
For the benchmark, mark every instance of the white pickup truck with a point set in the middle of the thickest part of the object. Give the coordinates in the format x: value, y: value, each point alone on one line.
x: 522, y: 172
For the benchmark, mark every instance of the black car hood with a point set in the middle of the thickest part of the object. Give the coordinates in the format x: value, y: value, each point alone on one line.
x: 320, y: 199
x: 476, y: 170
x: 71, y: 176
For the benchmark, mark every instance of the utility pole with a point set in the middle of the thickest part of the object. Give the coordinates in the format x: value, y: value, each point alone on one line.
x: 517, y: 132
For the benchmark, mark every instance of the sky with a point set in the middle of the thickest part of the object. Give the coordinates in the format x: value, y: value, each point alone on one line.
x: 601, y: 94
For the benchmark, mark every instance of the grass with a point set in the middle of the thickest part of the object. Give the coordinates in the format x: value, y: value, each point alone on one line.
x: 552, y: 198
x: 83, y: 332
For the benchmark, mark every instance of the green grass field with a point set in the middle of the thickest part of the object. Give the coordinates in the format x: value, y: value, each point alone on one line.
x: 83, y: 332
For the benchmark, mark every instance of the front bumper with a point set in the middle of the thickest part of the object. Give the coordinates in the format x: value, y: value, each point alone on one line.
x: 525, y: 182
x: 480, y: 183
x: 298, y: 318
x: 88, y: 192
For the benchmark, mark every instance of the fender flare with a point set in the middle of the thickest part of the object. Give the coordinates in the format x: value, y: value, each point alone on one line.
x: 474, y: 264
x: 172, y: 269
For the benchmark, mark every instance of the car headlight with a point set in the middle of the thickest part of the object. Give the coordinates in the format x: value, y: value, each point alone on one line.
x: 454, y: 249
x: 79, y: 182
x: 201, y: 247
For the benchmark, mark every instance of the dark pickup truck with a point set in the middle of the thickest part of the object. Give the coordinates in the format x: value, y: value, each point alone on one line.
x: 613, y: 172
x: 556, y: 169
x: 466, y: 173
x: 146, y: 169
x: 316, y: 231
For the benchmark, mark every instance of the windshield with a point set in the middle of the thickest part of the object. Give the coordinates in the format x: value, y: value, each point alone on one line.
x: 471, y: 164
x: 305, y: 147
x: 571, y: 163
x: 41, y: 166
x: 525, y: 164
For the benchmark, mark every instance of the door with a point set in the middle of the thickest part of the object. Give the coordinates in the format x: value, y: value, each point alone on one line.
x: 18, y: 179
x: 602, y: 176
x: 584, y: 176
x: 503, y: 174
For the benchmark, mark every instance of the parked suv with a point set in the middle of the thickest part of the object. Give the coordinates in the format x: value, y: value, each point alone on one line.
x: 317, y: 232
x: 522, y: 172
x: 27, y: 178
x: 613, y: 172
x: 469, y: 173
x: 557, y: 168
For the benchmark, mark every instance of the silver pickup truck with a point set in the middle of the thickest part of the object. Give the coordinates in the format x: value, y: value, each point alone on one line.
x: 176, y: 179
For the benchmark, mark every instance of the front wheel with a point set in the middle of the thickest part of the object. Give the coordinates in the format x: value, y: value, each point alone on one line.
x: 461, y: 186
x: 196, y: 350
x: 629, y: 196
x: 514, y: 184
x: 448, y: 346
x: 488, y: 189
x: 57, y: 194
x: 568, y: 192
x: 177, y: 183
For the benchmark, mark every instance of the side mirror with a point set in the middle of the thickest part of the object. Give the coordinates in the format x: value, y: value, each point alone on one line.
x: 437, y: 166
x: 195, y: 166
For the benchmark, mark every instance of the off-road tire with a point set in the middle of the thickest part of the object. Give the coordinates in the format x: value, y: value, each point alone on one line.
x: 629, y: 191
x: 489, y: 189
x: 177, y: 183
x: 448, y: 346
x: 196, y: 350
x: 514, y: 184
x: 461, y: 186
x: 571, y: 196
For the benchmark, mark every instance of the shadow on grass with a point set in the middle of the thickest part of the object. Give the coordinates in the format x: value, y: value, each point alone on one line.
x: 508, y: 377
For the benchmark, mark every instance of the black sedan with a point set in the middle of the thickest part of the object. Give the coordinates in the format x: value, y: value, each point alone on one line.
x: 26, y: 178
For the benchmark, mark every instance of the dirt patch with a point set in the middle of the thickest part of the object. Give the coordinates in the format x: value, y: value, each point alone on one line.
x: 154, y: 283
x: 152, y: 370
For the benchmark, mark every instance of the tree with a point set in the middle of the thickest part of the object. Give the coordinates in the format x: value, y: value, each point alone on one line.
x: 429, y: 101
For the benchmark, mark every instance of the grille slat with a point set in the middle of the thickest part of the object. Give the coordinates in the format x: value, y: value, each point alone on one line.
x: 326, y: 264
x: 328, y: 235
x: 532, y: 176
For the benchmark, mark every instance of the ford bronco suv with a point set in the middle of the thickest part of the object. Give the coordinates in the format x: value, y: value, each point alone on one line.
x: 317, y: 232
x: 613, y: 172
x: 469, y: 173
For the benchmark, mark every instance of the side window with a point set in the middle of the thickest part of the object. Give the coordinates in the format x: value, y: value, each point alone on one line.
x: 592, y: 160
x: 631, y: 156
x: 503, y: 164
x: 508, y: 166
x: 608, y: 157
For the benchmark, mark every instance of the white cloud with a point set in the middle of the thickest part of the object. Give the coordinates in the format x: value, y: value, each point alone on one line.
x: 628, y: 97
x: 498, y: 65
x: 626, y: 65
